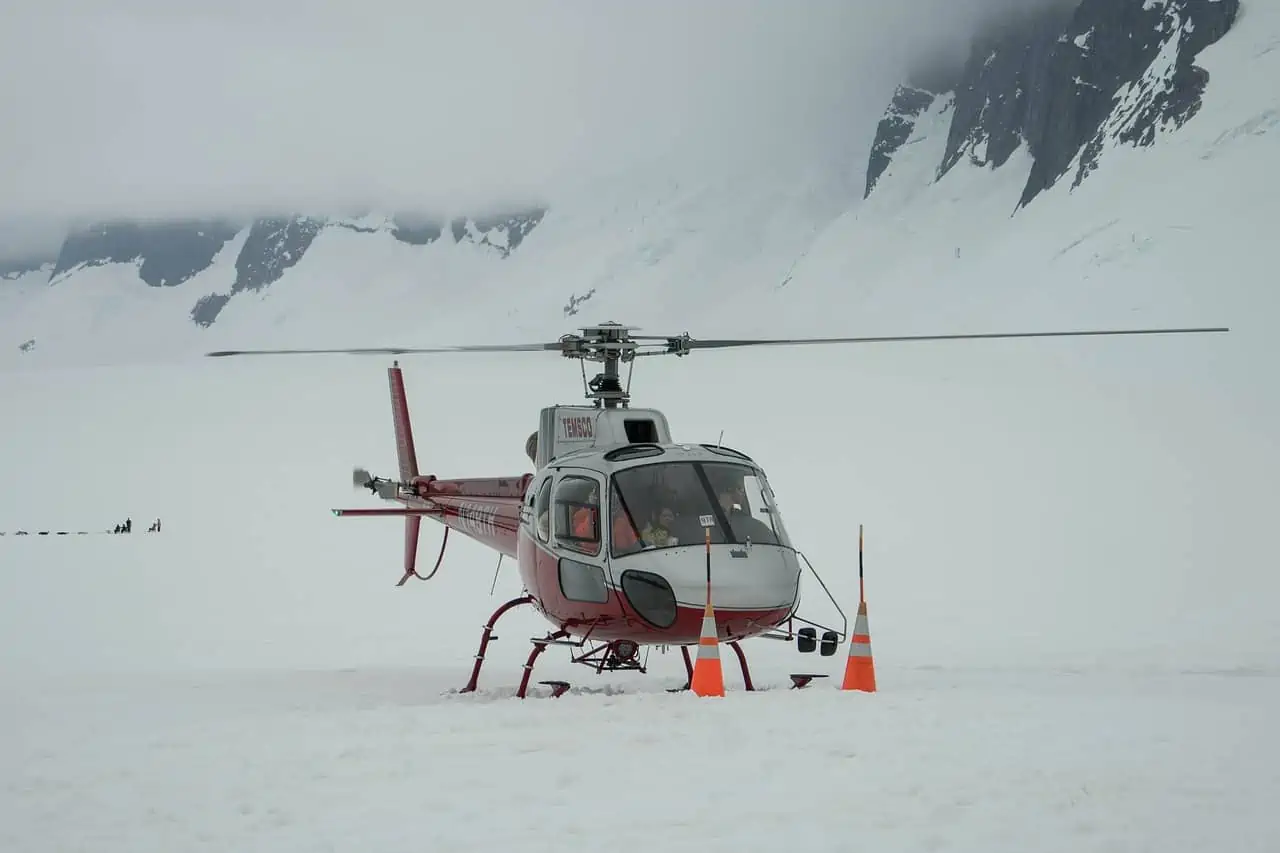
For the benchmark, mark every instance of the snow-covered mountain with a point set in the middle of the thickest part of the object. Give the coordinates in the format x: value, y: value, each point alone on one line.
x: 253, y: 254
x: 1045, y: 102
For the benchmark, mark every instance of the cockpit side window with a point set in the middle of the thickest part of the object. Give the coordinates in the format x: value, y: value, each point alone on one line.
x: 542, y: 511
x: 577, y: 514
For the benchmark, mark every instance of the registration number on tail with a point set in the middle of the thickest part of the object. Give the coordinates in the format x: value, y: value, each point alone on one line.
x: 479, y: 520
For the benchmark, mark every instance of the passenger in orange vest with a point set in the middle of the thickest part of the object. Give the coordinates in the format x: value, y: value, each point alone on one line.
x: 583, y: 523
x: 624, y: 533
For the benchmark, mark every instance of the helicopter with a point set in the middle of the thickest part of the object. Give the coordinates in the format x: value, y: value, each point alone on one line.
x: 617, y: 529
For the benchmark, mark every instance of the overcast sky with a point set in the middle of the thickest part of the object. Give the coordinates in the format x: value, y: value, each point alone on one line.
x: 140, y: 107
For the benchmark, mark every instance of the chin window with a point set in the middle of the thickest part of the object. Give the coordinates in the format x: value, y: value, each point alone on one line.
x: 651, y: 597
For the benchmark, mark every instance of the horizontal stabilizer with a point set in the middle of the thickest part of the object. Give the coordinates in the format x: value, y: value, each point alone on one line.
x: 402, y: 511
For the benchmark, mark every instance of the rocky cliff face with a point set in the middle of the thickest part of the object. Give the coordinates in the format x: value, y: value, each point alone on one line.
x: 270, y: 248
x: 895, y: 128
x: 170, y: 253
x: 1066, y: 84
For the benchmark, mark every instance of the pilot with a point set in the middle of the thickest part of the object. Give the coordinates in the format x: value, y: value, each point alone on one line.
x: 732, y: 497
x: 743, y: 524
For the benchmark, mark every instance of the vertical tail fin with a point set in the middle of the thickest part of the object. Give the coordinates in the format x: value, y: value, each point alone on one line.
x: 404, y: 432
x: 412, y: 525
x: 408, y: 459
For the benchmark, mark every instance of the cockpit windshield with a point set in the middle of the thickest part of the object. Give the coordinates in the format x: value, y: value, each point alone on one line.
x: 664, y: 505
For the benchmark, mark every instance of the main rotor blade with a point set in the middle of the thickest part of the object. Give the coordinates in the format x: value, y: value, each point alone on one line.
x: 694, y: 343
x: 684, y: 342
x: 391, y: 350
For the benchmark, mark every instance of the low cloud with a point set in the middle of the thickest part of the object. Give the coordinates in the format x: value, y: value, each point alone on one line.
x: 141, y: 107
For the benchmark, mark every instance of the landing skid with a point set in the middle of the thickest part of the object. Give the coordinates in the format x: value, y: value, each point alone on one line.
x: 612, y: 656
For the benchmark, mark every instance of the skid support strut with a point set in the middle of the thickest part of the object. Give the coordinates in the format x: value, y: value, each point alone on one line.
x: 742, y: 662
x: 539, y: 646
x: 489, y: 635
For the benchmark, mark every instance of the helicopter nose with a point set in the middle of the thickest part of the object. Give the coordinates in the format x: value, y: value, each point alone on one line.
x: 758, y: 578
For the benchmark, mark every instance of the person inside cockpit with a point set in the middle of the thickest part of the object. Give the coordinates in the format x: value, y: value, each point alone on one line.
x: 657, y: 533
x: 583, y: 524
x: 625, y: 539
x: 733, y: 500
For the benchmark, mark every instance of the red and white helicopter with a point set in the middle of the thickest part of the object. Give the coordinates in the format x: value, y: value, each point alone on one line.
x: 641, y: 578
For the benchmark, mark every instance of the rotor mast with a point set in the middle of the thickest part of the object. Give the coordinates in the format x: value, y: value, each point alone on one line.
x: 611, y: 345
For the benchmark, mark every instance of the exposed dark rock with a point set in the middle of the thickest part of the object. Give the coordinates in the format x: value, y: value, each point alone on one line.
x: 357, y: 227
x: 1068, y: 82
x: 407, y: 228
x: 1004, y: 85
x: 1141, y: 57
x: 575, y: 302
x: 169, y: 252
x: 272, y: 247
x: 504, y: 232
x: 208, y: 308
x: 416, y: 232
x: 895, y: 129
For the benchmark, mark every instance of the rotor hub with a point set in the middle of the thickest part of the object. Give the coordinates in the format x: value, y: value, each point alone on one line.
x: 610, y: 344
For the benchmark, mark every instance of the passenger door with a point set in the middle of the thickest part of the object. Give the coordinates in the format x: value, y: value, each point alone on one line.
x: 578, y: 535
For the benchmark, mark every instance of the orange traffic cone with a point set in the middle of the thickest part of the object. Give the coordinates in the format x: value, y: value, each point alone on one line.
x: 860, y: 668
x: 708, y: 675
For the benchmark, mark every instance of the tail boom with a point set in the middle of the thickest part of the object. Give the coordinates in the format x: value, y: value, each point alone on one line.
x: 484, y: 509
x: 474, y: 508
